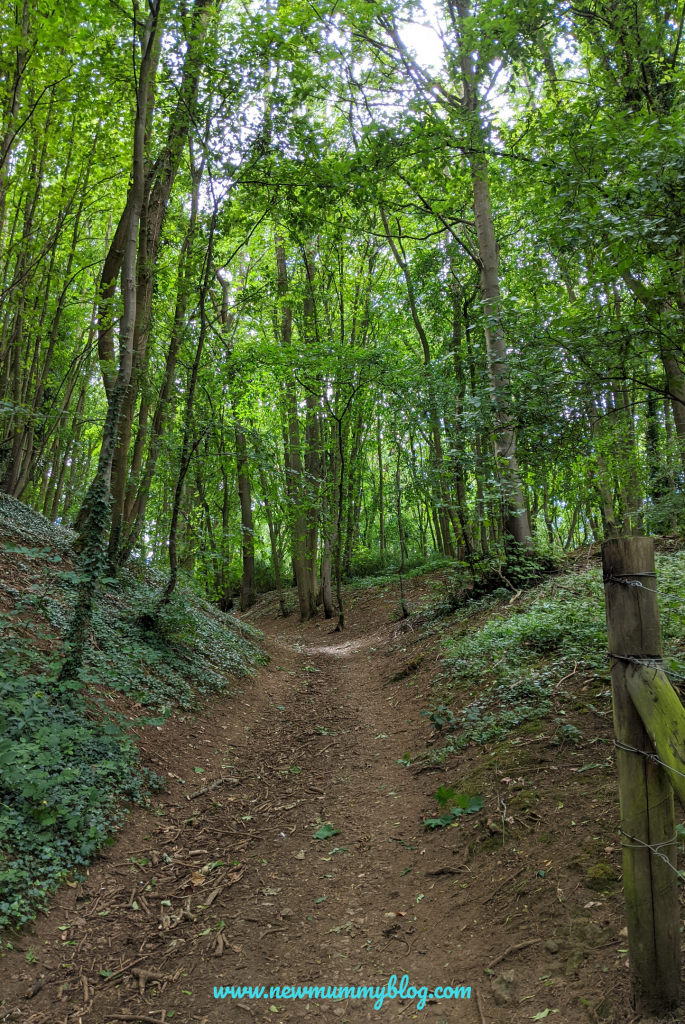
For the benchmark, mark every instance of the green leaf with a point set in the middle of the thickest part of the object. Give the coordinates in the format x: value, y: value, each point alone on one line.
x: 321, y: 899
x: 325, y: 832
x: 445, y: 796
x: 200, y: 771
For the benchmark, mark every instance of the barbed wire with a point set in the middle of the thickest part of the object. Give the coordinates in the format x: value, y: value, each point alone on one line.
x: 655, y: 849
x: 631, y: 583
x: 650, y: 755
x: 655, y: 663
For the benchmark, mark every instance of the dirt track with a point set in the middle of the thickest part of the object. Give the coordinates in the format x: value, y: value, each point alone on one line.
x: 314, y: 740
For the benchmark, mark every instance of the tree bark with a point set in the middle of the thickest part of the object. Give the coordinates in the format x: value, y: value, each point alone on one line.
x: 274, y: 544
x: 159, y: 182
x: 516, y: 524
x: 97, y: 500
x: 189, y: 447
x: 247, y: 584
x: 294, y: 466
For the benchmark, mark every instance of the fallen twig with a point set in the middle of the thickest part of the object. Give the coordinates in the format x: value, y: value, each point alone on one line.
x: 513, y: 949
x: 575, y: 669
x: 506, y: 882
x: 143, y: 977
x: 214, y: 785
x: 135, y: 1017
x: 405, y: 1008
x: 480, y: 1007
x: 271, y: 931
x: 124, y: 967
x: 35, y: 988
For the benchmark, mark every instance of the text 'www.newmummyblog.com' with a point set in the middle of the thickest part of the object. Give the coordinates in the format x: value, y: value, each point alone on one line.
x: 376, y: 993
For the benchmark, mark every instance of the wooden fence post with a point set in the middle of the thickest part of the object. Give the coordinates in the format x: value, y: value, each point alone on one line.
x: 646, y: 796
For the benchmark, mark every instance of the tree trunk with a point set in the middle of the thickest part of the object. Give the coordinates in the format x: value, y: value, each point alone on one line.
x: 274, y: 544
x: 136, y: 515
x: 188, y: 449
x: 381, y: 507
x: 516, y: 519
x: 247, y: 584
x: 603, y: 480
x: 517, y: 525
x: 159, y: 182
x: 294, y: 467
x: 97, y: 516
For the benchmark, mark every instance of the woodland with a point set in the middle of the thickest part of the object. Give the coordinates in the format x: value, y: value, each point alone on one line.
x: 285, y: 302
x: 354, y: 315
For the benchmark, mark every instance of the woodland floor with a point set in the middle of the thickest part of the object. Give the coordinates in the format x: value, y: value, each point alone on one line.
x: 314, y: 738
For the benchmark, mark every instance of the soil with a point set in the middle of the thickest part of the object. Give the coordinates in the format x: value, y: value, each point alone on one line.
x: 527, y: 914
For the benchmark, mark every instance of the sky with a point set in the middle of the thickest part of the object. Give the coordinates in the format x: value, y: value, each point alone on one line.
x: 423, y: 39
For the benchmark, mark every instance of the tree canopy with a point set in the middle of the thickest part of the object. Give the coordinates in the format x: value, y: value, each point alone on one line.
x: 289, y: 297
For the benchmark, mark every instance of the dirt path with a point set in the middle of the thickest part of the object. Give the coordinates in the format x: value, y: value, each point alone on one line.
x: 312, y: 742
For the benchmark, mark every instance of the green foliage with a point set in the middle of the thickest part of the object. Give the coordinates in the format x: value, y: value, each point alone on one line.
x: 64, y: 770
x: 439, y: 716
x: 461, y: 805
x: 566, y: 731
x: 512, y: 664
x: 68, y: 766
x: 159, y: 657
x: 520, y: 570
x: 387, y: 575
x: 325, y: 832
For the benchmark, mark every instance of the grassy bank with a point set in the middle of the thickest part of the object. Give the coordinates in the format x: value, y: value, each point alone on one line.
x: 508, y: 662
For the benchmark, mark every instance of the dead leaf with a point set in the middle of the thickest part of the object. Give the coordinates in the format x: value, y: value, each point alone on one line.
x: 198, y: 879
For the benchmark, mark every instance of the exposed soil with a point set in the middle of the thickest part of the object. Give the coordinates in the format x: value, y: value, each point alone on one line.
x: 314, y: 739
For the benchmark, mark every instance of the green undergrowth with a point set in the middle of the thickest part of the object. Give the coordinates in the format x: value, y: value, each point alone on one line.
x: 64, y: 773
x: 492, y: 577
x: 388, y: 575
x: 68, y: 764
x: 503, y: 675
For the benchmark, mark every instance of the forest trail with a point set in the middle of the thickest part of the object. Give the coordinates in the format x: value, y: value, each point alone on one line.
x: 314, y: 739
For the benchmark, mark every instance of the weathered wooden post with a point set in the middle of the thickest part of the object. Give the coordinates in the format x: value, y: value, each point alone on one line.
x: 646, y: 796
